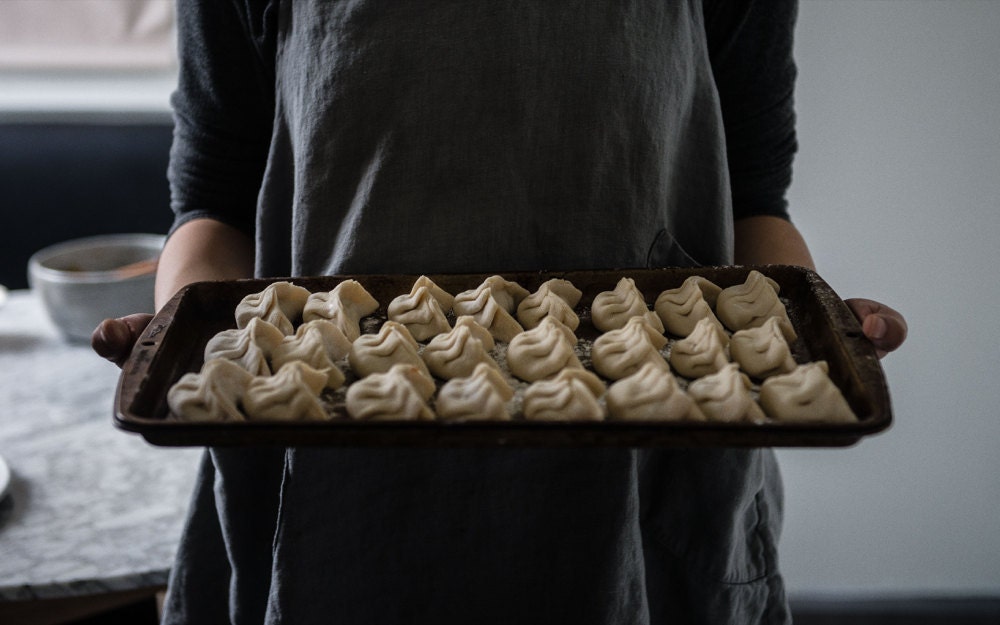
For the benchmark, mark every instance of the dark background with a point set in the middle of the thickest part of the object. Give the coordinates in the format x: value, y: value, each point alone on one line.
x: 61, y: 181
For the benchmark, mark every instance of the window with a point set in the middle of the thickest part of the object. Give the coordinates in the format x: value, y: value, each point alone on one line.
x: 86, y: 34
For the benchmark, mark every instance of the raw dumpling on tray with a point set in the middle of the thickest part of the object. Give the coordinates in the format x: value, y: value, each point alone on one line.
x: 499, y: 352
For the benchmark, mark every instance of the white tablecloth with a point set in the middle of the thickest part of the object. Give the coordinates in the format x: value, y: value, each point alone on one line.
x: 91, y: 508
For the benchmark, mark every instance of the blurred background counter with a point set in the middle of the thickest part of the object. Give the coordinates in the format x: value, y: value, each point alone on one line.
x: 92, y: 515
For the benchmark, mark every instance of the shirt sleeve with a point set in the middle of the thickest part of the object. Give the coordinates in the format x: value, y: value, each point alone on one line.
x: 750, y: 47
x: 223, y: 109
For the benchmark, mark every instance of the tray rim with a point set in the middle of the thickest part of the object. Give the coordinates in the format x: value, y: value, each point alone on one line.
x: 611, y: 433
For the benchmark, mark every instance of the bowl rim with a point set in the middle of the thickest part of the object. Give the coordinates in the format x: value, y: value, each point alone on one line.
x: 37, y: 269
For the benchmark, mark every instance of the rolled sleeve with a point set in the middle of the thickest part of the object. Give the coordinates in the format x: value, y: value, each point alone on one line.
x: 223, y: 111
x: 750, y: 46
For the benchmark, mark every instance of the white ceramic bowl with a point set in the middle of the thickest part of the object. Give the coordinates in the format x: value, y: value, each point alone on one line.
x: 81, y: 282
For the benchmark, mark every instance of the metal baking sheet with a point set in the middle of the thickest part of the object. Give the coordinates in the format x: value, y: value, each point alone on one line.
x: 174, y: 341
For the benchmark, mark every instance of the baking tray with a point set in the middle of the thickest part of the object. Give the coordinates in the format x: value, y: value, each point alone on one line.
x: 174, y: 341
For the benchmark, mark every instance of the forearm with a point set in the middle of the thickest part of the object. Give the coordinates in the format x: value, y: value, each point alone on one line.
x: 223, y: 112
x: 764, y: 240
x: 202, y: 249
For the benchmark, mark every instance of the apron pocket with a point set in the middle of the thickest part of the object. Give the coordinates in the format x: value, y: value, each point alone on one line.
x: 665, y: 251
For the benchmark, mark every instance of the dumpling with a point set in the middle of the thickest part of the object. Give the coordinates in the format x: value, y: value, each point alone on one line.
x: 543, y: 351
x: 377, y: 353
x: 725, y: 396
x: 709, y: 290
x: 612, y: 309
x: 345, y: 305
x: 250, y: 347
x: 700, y: 353
x: 318, y: 343
x: 750, y: 304
x: 762, y: 351
x: 573, y: 395
x: 444, y: 298
x: 423, y: 310
x: 483, y: 395
x: 491, y: 305
x: 457, y: 353
x: 280, y: 304
x: 651, y: 394
x: 291, y: 394
x: 681, y: 308
x: 554, y: 298
x: 213, y: 394
x: 620, y: 353
x: 401, y: 393
x: 508, y: 294
x: 420, y: 313
x: 805, y: 394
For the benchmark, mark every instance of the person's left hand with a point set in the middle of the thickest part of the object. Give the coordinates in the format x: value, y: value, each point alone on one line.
x: 883, y: 326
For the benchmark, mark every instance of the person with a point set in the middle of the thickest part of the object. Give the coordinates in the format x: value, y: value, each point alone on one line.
x: 318, y: 138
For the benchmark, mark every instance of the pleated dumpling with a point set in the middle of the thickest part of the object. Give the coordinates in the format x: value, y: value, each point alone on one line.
x: 651, y: 394
x: 805, y: 394
x: 345, y: 305
x: 250, y: 347
x: 543, y: 351
x: 401, y: 393
x: 725, y: 396
x: 492, y: 305
x: 702, y: 352
x: 280, y: 304
x: 572, y: 395
x: 377, y: 353
x: 458, y: 352
x: 482, y: 395
x: 750, y: 304
x: 291, y: 394
x: 553, y: 298
x: 507, y: 293
x: 681, y: 308
x: 424, y: 310
x: 620, y: 353
x: 318, y: 343
x: 612, y: 309
x: 446, y: 299
x: 213, y: 394
x: 762, y: 351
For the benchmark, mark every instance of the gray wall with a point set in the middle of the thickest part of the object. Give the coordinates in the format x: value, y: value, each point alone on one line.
x: 897, y: 187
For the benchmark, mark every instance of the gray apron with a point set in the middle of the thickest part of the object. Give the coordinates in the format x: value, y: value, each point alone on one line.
x: 448, y: 136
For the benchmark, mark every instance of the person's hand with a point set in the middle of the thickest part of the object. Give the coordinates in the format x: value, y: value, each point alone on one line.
x: 883, y: 326
x: 113, y: 339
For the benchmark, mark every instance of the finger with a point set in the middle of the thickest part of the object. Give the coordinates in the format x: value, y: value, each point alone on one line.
x: 883, y: 326
x: 108, y: 337
x: 113, y: 338
x: 136, y: 324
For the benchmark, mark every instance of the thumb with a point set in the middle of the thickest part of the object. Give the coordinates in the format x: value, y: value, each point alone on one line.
x: 883, y: 326
x: 113, y: 339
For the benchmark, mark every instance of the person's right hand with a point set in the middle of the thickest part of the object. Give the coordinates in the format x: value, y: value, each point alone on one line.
x: 113, y: 339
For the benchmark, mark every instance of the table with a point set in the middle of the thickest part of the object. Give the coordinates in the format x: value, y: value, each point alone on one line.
x: 93, y: 514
